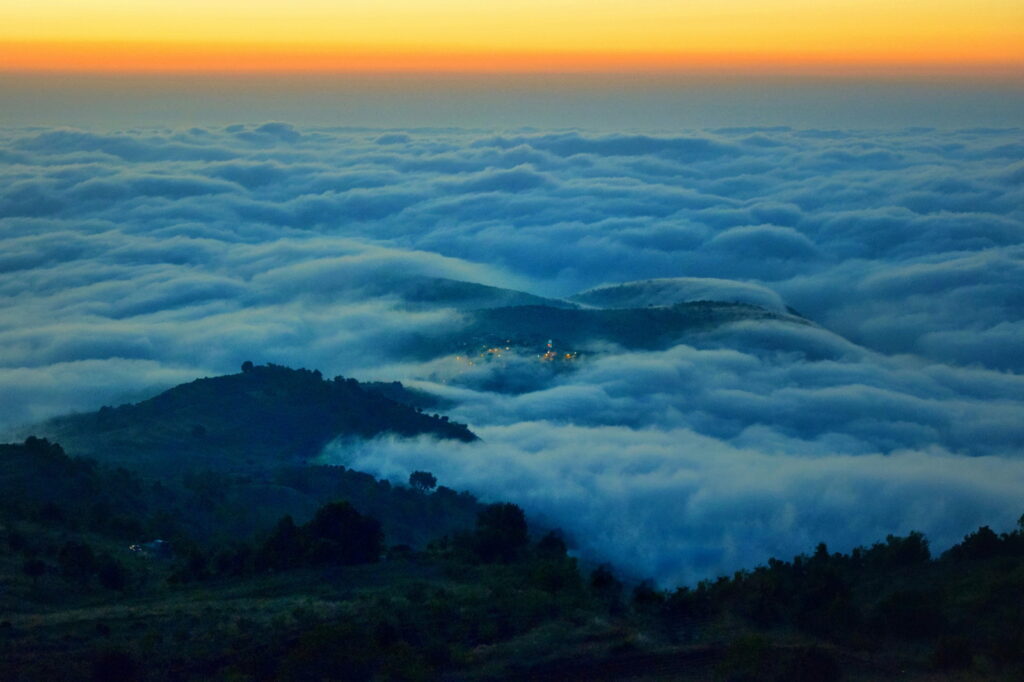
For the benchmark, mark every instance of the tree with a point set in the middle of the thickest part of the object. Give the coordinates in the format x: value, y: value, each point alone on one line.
x: 981, y: 544
x: 247, y: 366
x: 77, y: 561
x: 501, y: 532
x: 422, y: 480
x: 646, y: 597
x: 897, y: 551
x: 115, y: 664
x: 604, y: 582
x: 552, y: 545
x: 34, y: 568
x: 339, y: 534
x: 111, y: 572
x: 283, y: 549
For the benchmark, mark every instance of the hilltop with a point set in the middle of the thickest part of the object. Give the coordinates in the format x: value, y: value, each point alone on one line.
x: 266, y: 416
x: 646, y: 328
x: 672, y: 290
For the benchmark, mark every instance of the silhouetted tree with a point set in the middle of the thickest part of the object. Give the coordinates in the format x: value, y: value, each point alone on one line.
x: 646, y: 597
x: 111, y: 573
x: 552, y: 545
x: 897, y: 552
x: 981, y: 544
x: 283, y: 549
x: 604, y: 583
x: 501, y: 532
x: 115, y: 664
x: 77, y: 561
x: 34, y: 568
x: 247, y: 366
x: 234, y: 561
x: 422, y: 480
x: 340, y: 534
x: 952, y: 653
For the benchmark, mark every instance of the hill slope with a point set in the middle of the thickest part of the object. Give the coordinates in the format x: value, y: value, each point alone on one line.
x: 461, y: 295
x: 672, y: 290
x: 266, y: 417
x: 651, y: 328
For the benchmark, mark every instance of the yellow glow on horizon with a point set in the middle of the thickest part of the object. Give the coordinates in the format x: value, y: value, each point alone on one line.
x: 502, y: 35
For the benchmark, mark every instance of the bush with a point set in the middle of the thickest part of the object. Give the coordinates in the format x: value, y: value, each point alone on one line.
x: 111, y: 573
x: 34, y: 568
x: 808, y: 664
x: 910, y: 613
x: 115, y: 664
x: 77, y: 561
x: 338, y: 534
x: 952, y: 653
x: 745, y: 660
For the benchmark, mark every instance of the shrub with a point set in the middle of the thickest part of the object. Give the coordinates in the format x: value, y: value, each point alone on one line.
x: 952, y: 653
x: 115, y: 664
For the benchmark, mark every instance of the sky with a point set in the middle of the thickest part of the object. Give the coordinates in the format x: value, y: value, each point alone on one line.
x: 651, y: 65
x: 981, y: 37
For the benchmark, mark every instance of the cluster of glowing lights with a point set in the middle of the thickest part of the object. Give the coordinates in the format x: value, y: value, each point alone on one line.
x: 491, y: 353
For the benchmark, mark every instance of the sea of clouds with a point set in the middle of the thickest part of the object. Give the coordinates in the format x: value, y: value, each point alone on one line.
x: 131, y: 261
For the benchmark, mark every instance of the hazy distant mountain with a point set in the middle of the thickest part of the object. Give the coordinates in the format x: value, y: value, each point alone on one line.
x: 441, y: 292
x: 642, y: 328
x: 669, y: 291
x: 263, y: 417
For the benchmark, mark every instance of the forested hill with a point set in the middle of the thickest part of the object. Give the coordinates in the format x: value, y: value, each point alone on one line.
x: 265, y: 416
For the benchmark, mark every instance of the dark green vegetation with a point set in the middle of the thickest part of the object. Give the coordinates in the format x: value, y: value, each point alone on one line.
x: 264, y: 417
x: 285, y: 570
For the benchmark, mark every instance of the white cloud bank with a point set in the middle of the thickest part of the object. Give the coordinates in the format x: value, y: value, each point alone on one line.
x: 134, y: 260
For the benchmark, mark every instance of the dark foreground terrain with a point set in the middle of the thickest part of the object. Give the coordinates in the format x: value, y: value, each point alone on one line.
x: 263, y: 565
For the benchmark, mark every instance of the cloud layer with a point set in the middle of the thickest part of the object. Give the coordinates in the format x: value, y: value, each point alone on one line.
x: 133, y: 260
x: 681, y: 507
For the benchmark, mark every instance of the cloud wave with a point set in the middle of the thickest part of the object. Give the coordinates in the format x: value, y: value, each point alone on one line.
x: 133, y: 260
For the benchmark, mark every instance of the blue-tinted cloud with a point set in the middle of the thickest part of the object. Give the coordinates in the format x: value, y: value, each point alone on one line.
x: 133, y: 260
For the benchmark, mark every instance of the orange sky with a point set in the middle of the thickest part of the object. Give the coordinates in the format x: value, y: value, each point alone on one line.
x: 861, y: 36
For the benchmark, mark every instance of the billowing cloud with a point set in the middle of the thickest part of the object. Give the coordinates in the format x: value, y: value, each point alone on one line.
x: 134, y: 260
x: 679, y: 507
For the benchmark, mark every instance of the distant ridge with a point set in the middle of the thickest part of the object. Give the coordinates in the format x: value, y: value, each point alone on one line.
x: 672, y: 290
x: 461, y: 295
x: 640, y: 328
x: 264, y: 417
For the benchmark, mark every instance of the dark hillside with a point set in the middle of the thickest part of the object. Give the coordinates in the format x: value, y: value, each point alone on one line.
x: 265, y: 417
x: 41, y: 485
x: 38, y: 481
x: 650, y: 328
x: 437, y: 292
